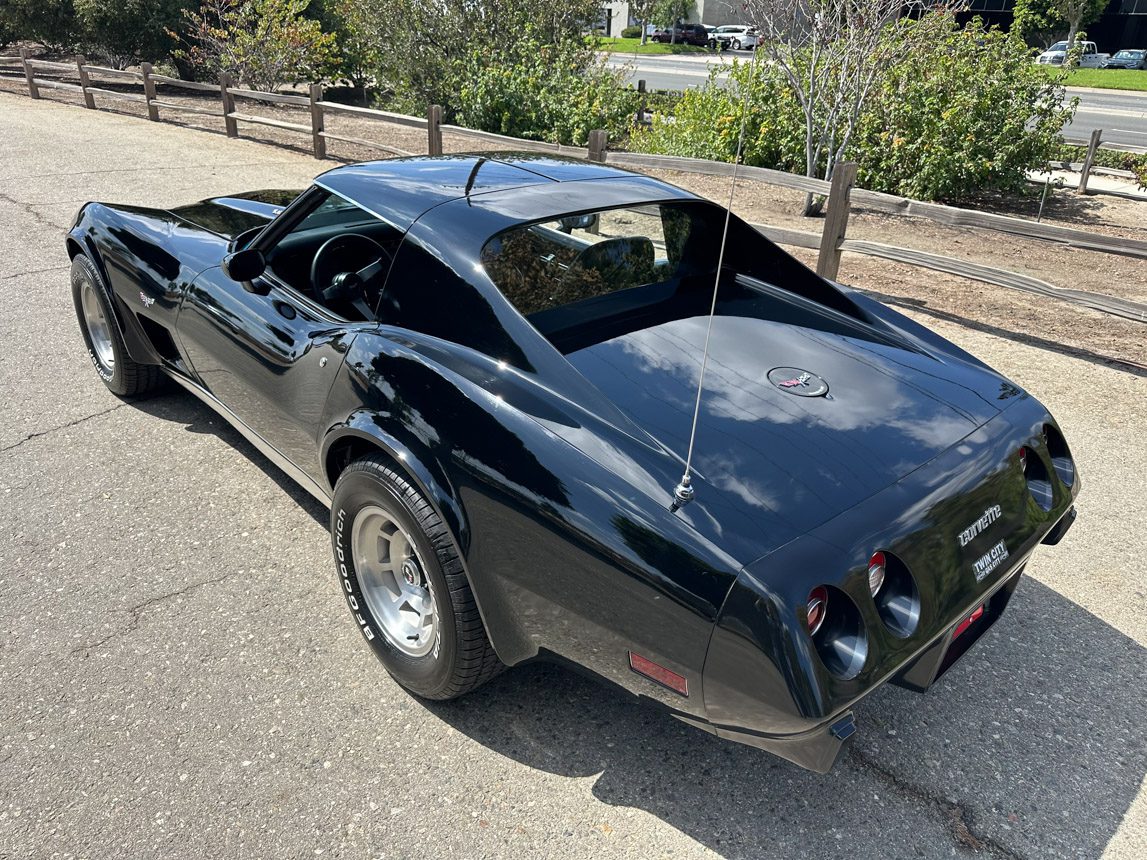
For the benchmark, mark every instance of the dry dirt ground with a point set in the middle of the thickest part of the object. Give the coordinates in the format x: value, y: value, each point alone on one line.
x: 1034, y: 318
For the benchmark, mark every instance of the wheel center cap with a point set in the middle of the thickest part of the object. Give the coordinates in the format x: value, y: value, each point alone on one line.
x: 410, y: 571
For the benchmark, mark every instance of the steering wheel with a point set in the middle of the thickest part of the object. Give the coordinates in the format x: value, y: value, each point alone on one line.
x: 347, y: 269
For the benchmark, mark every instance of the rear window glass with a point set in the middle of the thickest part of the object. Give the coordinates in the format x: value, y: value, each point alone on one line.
x: 571, y: 259
x: 583, y: 278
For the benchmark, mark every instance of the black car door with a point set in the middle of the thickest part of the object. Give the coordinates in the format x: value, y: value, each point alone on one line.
x: 269, y: 353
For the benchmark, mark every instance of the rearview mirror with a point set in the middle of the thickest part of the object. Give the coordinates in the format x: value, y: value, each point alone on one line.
x: 244, y: 266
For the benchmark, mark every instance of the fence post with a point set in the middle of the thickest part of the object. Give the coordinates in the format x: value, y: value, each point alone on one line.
x: 1089, y: 159
x: 228, y: 105
x: 85, y: 82
x: 319, y: 142
x: 597, y: 141
x: 836, y: 220
x: 149, y: 92
x: 640, y: 118
x: 434, y: 130
x: 33, y: 90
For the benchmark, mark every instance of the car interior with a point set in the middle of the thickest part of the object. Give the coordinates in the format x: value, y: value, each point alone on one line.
x: 582, y: 280
x: 338, y: 256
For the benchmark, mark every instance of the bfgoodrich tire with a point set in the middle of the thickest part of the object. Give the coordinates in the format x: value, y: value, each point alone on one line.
x: 404, y: 583
x: 102, y: 337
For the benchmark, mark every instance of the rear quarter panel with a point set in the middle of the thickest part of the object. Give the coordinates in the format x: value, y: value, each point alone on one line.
x: 562, y: 554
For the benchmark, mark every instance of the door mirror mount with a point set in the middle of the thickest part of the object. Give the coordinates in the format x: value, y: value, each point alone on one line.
x: 244, y: 266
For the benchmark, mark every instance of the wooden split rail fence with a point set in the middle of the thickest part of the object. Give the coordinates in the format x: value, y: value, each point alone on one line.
x: 840, y: 192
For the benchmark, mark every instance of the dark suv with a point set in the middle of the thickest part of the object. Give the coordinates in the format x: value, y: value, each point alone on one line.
x: 686, y: 34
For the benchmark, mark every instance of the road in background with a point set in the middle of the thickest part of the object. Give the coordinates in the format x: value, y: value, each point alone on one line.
x: 180, y: 678
x: 1122, y: 115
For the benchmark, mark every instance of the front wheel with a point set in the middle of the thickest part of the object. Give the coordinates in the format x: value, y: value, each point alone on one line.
x: 105, y: 344
x: 404, y: 583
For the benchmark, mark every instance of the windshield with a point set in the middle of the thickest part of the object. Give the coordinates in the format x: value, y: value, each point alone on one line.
x: 1129, y: 55
x: 1058, y: 46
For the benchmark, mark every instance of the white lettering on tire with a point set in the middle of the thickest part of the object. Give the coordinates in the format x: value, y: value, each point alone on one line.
x: 344, y: 574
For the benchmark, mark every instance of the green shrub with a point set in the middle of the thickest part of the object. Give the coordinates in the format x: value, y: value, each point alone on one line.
x: 124, y: 32
x: 705, y: 122
x: 633, y: 32
x: 52, y: 23
x: 548, y: 92
x: 968, y: 115
x: 263, y: 43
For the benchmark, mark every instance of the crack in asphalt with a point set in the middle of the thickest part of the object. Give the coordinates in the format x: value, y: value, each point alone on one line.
x: 33, y: 272
x: 27, y: 208
x: 48, y: 432
x: 139, y: 610
x: 959, y: 819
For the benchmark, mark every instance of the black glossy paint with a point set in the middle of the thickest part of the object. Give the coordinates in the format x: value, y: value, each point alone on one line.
x: 554, y: 472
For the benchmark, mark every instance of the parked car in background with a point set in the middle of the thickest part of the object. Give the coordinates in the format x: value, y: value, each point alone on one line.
x: 1128, y: 58
x: 735, y: 36
x: 1089, y: 56
x: 684, y: 34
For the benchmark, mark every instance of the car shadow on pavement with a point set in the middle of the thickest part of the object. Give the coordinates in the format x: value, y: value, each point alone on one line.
x: 1031, y: 746
x: 184, y: 409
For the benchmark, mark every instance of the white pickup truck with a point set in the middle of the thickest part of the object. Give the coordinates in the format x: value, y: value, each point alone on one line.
x: 1089, y: 56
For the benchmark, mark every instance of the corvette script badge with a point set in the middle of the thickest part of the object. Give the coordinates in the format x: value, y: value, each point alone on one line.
x: 798, y: 382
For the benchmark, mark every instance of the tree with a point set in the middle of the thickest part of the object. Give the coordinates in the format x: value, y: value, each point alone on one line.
x: 359, y: 40
x: 52, y: 23
x: 1040, y: 20
x: 264, y: 43
x: 127, y: 31
x: 427, y: 50
x: 1077, y: 13
x: 832, y: 53
x: 959, y: 111
x: 642, y: 10
x: 666, y: 13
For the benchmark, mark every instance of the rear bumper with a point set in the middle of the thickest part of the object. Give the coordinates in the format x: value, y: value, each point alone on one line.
x: 767, y: 682
x: 818, y: 748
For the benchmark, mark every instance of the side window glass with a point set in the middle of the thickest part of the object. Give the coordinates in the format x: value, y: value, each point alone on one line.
x: 336, y: 240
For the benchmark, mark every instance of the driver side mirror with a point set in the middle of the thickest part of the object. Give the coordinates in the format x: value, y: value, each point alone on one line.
x: 244, y: 266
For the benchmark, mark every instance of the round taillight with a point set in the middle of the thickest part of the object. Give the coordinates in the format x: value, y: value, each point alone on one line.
x: 1061, y: 459
x: 876, y: 569
x: 817, y: 608
x: 1038, y: 480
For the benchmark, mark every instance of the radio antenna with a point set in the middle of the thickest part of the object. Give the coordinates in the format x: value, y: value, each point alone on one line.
x: 683, y: 493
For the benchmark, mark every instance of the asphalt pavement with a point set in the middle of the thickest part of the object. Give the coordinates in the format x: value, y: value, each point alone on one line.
x: 1122, y: 115
x: 179, y: 677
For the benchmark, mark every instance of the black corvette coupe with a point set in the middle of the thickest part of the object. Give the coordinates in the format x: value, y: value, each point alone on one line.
x: 488, y: 368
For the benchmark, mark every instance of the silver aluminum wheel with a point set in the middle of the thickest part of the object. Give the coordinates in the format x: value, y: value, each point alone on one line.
x: 394, y: 581
x: 97, y: 325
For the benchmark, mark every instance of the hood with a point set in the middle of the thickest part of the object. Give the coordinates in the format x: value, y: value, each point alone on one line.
x: 230, y: 216
x: 769, y: 463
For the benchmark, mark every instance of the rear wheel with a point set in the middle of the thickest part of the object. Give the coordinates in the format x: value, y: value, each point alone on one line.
x: 403, y: 580
x: 102, y: 337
